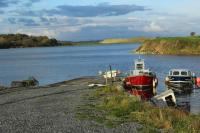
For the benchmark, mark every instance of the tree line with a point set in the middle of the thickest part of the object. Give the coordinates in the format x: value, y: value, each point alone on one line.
x: 23, y: 40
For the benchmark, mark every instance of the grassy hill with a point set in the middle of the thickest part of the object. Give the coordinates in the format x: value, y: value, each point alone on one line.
x: 171, y: 45
x: 123, y: 40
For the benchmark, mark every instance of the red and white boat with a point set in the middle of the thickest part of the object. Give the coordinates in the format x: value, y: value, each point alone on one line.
x: 140, y: 81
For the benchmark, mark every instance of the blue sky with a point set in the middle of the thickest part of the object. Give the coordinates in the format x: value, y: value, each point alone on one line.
x: 99, y: 19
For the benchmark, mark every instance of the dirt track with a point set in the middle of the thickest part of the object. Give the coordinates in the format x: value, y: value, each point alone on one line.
x: 50, y: 109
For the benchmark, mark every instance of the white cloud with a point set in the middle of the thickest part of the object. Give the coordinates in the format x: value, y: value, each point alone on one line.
x: 68, y: 29
x: 153, y: 27
x: 134, y: 18
x: 38, y: 32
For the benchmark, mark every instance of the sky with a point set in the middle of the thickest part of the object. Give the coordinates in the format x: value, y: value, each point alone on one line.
x: 82, y: 20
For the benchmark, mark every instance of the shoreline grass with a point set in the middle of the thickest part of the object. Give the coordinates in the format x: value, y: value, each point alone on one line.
x: 113, y: 107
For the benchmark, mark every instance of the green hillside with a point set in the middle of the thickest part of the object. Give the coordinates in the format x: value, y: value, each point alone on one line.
x: 171, y: 45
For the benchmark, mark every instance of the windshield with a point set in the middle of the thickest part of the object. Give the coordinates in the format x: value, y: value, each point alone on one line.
x: 176, y: 73
x: 184, y: 73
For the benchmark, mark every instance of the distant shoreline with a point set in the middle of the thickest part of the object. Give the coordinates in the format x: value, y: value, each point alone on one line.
x: 8, y: 41
x: 158, y: 46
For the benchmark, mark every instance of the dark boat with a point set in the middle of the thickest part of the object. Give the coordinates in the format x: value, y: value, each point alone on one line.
x: 140, y: 81
x: 180, y: 81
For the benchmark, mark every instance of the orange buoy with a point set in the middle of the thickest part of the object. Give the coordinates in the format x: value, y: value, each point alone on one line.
x: 198, y: 81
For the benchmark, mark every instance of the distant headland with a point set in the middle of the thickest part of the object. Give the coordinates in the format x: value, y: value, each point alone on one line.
x: 171, y: 46
x: 188, y: 45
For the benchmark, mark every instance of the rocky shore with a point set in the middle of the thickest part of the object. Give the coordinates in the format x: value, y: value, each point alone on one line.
x: 50, y: 109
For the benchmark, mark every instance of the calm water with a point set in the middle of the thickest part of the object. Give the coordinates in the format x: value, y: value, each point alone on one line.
x: 50, y: 65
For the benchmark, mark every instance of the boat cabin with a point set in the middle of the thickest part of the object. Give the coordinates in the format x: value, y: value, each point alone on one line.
x: 140, y: 69
x: 180, y: 72
x: 139, y: 64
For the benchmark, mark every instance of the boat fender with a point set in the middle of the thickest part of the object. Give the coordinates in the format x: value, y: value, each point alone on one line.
x: 128, y: 83
x: 198, y: 81
x: 166, y: 79
x: 155, y: 82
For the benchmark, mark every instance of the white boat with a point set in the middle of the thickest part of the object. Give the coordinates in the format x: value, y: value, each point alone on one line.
x: 167, y: 97
x: 180, y: 80
x: 110, y: 74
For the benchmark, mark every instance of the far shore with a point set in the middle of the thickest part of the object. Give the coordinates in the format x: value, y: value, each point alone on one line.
x: 24, y: 41
x: 188, y: 45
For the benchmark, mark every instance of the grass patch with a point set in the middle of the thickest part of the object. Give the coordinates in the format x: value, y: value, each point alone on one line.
x: 112, y: 107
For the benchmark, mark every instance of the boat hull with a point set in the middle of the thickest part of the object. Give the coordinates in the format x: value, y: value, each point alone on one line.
x: 141, y: 85
x: 139, y: 81
x: 180, y: 84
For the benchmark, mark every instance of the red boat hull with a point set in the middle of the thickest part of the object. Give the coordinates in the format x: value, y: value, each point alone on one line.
x: 141, y: 85
x: 139, y: 81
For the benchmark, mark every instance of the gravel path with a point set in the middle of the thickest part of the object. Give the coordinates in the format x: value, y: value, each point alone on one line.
x: 50, y: 109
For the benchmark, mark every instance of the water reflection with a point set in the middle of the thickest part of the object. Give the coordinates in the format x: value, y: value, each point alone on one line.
x: 192, y: 99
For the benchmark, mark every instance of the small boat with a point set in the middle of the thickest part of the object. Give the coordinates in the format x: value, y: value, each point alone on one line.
x: 30, y: 82
x: 166, y: 98
x: 140, y: 81
x: 180, y: 80
x: 110, y: 74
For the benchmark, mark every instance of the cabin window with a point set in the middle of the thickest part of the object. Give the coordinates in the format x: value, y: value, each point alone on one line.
x: 184, y: 73
x: 139, y: 66
x: 146, y: 73
x: 169, y: 100
x: 150, y: 73
x: 176, y: 73
x: 140, y: 72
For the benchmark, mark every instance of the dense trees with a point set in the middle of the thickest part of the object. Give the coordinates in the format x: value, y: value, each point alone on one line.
x: 22, y: 40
